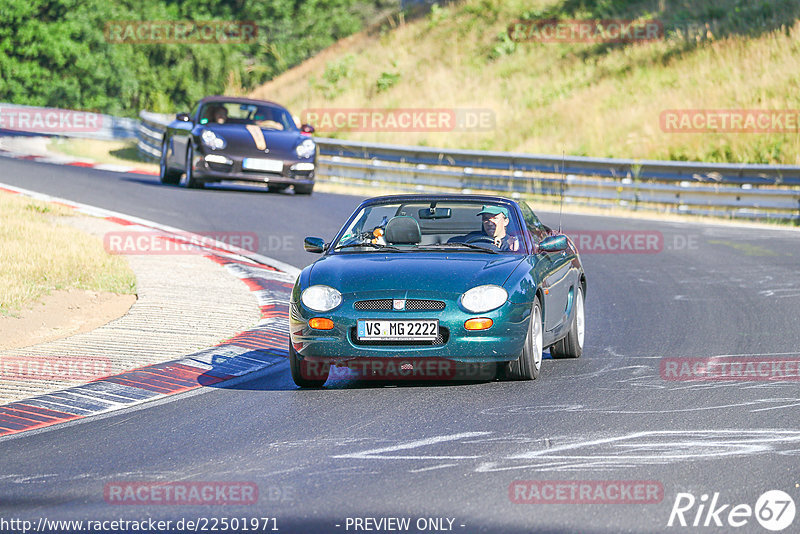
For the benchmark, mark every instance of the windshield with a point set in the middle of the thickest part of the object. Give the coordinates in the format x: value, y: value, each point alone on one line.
x: 451, y: 226
x: 264, y: 116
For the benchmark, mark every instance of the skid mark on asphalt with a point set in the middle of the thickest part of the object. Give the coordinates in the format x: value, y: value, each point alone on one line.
x: 650, y: 448
x: 480, y: 454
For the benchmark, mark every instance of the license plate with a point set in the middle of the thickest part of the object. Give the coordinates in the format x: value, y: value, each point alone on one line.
x: 266, y: 165
x: 396, y: 330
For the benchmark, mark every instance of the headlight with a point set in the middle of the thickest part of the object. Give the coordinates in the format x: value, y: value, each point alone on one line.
x: 306, y: 149
x: 321, y: 298
x: 212, y: 140
x: 484, y: 298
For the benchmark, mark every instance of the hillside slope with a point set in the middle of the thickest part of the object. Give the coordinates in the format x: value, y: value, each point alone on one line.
x: 594, y: 99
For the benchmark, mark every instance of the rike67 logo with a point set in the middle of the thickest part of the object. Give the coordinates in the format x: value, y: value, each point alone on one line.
x: 774, y: 510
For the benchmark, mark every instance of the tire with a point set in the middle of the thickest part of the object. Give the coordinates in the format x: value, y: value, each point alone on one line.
x: 572, y: 345
x: 303, y: 189
x: 297, y: 374
x: 187, y: 180
x: 165, y: 174
x: 276, y: 188
x: 529, y: 364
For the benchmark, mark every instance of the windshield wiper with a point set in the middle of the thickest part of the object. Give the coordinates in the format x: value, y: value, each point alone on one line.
x: 464, y: 245
x: 370, y: 245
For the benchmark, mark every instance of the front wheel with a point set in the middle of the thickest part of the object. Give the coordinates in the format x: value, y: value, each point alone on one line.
x: 572, y: 345
x: 529, y: 363
x: 188, y: 180
x: 301, y: 372
x: 165, y: 174
x: 303, y: 189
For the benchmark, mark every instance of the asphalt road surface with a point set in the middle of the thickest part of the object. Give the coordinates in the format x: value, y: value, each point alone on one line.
x: 446, y: 456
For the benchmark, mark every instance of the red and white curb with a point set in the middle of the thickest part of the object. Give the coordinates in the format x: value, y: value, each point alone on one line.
x: 74, y: 162
x: 255, y: 349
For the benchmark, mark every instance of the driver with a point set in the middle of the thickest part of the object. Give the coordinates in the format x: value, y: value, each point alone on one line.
x: 220, y: 115
x: 495, y: 221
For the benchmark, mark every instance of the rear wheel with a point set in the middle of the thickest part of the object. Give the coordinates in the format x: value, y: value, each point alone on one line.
x: 187, y: 180
x: 572, y: 345
x: 300, y: 372
x: 165, y: 174
x: 303, y: 189
x: 529, y: 363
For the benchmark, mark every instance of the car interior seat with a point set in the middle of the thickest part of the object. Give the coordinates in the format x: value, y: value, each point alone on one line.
x: 402, y: 230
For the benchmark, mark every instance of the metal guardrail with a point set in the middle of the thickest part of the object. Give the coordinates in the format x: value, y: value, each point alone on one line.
x: 731, y: 190
x: 151, y: 132
x: 18, y: 120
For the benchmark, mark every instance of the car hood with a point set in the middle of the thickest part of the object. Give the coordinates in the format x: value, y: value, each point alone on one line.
x: 412, y: 273
x: 238, y: 138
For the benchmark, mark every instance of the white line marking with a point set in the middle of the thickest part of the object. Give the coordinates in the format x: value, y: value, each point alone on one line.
x: 432, y: 468
x: 372, y: 453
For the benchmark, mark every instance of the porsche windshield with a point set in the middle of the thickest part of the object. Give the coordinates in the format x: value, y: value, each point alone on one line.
x: 450, y: 226
x: 265, y: 116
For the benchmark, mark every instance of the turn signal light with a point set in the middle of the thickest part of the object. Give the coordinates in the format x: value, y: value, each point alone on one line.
x: 321, y: 323
x: 481, y: 323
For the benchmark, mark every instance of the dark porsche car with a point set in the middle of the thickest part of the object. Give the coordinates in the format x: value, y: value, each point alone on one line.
x: 238, y: 139
x: 411, y: 279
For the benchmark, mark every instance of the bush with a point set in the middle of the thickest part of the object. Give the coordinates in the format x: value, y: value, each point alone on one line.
x: 55, y: 53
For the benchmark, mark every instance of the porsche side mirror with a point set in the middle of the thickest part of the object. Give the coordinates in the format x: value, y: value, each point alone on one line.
x: 554, y: 243
x: 307, y: 129
x: 315, y: 245
x: 182, y: 117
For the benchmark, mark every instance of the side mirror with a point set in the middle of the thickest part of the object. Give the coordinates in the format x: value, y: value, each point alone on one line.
x: 554, y: 243
x: 184, y: 117
x: 307, y: 129
x: 315, y: 245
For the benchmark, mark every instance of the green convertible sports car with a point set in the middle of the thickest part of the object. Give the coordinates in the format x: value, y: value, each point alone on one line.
x: 424, y: 286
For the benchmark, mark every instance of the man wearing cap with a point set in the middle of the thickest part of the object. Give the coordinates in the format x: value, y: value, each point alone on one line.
x: 495, y: 221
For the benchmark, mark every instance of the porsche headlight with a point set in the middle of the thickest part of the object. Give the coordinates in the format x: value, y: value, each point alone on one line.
x: 484, y: 298
x: 321, y: 298
x: 212, y: 140
x: 306, y: 149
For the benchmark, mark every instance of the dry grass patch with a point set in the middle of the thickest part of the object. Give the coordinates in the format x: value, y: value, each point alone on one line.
x: 39, y: 254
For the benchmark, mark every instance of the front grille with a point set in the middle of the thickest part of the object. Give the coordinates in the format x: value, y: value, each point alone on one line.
x: 441, y: 339
x: 304, y: 175
x: 219, y: 167
x: 377, y: 304
x: 411, y: 305
x: 418, y: 304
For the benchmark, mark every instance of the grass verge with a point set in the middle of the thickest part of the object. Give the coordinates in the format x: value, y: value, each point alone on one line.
x: 39, y: 254
x: 113, y: 152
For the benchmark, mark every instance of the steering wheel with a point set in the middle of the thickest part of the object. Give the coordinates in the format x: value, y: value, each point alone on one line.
x: 482, y: 239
